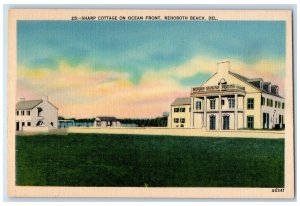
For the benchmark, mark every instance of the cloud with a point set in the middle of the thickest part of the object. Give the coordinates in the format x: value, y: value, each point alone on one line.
x: 272, y: 70
x: 80, y: 91
x: 83, y: 92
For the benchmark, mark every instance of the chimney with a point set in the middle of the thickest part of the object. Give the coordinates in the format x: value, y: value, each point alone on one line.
x: 22, y: 99
x: 223, y: 66
x: 45, y: 98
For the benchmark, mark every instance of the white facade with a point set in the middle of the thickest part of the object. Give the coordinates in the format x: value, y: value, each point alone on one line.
x: 33, y: 114
x: 229, y: 101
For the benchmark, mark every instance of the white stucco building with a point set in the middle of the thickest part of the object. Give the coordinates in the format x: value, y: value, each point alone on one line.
x: 230, y: 101
x: 33, y: 115
x: 107, y: 122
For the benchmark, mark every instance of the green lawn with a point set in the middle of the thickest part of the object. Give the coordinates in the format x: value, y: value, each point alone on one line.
x: 154, y: 161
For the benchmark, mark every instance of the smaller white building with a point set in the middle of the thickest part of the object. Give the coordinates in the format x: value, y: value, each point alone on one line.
x: 107, y: 122
x: 36, y: 115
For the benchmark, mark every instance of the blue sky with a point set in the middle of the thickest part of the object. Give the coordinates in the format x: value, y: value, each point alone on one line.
x: 137, y: 68
x: 138, y: 46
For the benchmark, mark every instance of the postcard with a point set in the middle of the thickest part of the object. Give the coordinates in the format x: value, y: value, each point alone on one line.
x: 150, y: 103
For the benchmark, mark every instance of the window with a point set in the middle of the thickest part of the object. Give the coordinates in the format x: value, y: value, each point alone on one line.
x: 39, y: 111
x: 275, y: 104
x: 212, y: 122
x: 270, y: 103
x: 176, y: 120
x: 263, y: 101
x: 250, y: 103
x: 222, y: 102
x: 212, y: 104
x: 22, y: 112
x: 226, y: 122
x: 182, y: 120
x: 279, y: 104
x: 176, y: 109
x: 17, y: 113
x: 28, y: 113
x: 28, y: 124
x: 182, y: 109
x: 23, y: 124
x: 282, y: 105
x: 189, y: 109
x: 231, y: 102
x: 198, y: 105
x: 250, y: 122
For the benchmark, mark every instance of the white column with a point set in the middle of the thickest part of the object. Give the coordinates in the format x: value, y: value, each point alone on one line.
x: 244, y: 115
x: 204, y: 114
x: 220, y: 107
x: 235, y: 112
x: 192, y: 112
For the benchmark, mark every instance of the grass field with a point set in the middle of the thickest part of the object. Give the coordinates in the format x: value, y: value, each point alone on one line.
x: 136, y: 160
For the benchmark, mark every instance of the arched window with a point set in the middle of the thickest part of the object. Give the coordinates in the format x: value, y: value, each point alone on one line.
x: 212, y: 122
x: 39, y: 111
x: 226, y: 123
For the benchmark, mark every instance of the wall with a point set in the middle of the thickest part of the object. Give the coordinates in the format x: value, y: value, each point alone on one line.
x: 241, y: 102
x: 240, y: 120
x: 273, y: 111
x: 256, y: 112
x: 198, y: 120
x: 49, y: 114
x: 186, y: 115
x: 35, y: 129
x: 26, y: 118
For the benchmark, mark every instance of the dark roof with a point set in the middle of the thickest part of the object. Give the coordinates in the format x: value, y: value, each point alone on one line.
x: 181, y: 101
x: 246, y: 80
x: 239, y: 76
x: 107, y: 118
x: 28, y: 104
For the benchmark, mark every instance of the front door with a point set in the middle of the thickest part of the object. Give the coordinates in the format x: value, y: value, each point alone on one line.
x: 280, y: 121
x: 17, y: 126
x: 226, y: 122
x: 212, y: 122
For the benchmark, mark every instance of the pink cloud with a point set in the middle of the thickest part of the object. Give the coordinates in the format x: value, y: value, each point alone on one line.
x: 82, y: 92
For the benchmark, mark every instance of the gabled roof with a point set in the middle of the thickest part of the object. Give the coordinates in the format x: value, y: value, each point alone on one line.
x: 26, y: 105
x: 246, y: 80
x: 107, y: 118
x: 181, y: 101
x: 239, y: 76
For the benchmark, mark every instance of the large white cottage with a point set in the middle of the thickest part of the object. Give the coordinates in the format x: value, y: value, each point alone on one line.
x: 34, y: 114
x: 230, y: 101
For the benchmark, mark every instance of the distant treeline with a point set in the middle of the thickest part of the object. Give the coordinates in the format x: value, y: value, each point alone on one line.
x: 154, y: 122
x: 77, y: 120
